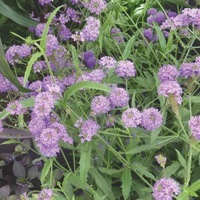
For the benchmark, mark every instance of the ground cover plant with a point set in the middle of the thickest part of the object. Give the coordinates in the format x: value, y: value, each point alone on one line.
x: 109, y: 91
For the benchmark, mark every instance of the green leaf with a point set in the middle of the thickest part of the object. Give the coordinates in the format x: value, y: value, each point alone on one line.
x: 67, y: 187
x: 180, y: 3
x: 102, y: 183
x: 127, y: 50
x: 4, y: 192
x: 84, y: 85
x: 19, y: 170
x: 170, y: 170
x: 85, y: 159
x: 194, y: 186
x: 143, y: 170
x: 46, y: 29
x: 126, y: 183
x: 45, y: 170
x: 181, y: 159
x: 157, y: 144
x: 34, y: 57
x: 7, y: 72
x: 15, y: 16
x: 110, y: 171
x: 161, y: 38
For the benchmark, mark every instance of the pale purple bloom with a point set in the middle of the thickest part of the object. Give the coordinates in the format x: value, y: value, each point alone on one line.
x: 119, y: 97
x: 149, y: 34
x: 190, y: 70
x: 45, y: 194
x: 78, y: 36
x: 161, y: 160
x: 79, y: 123
x: 44, y: 2
x: 36, y: 86
x: 194, y: 124
x: 1, y: 126
x: 55, y: 90
x: 48, y: 151
x: 40, y: 28
x: 5, y: 85
x: 39, y: 66
x: 90, y: 31
x: 63, y: 18
x: 95, y: 6
x: 15, y: 108
x: 49, y: 80
x: 168, y: 73
x: 16, y: 52
x: 151, y: 119
x: 107, y: 62
x: 152, y: 11
x: 69, y: 80
x: 131, y: 117
x: 52, y: 44
x: 117, y: 35
x: 96, y: 75
x: 166, y: 189
x: 171, y: 88
x: 64, y: 33
x: 125, y: 69
x: 100, y: 105
x: 73, y: 15
x: 88, y: 130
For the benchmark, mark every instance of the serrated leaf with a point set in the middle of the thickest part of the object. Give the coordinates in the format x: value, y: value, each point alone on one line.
x: 143, y: 170
x: 34, y: 57
x: 45, y: 170
x: 127, y: 50
x: 85, y: 160
x: 126, y: 183
x: 84, y: 85
x: 102, y: 183
x: 15, y: 16
x: 4, y: 192
x: 19, y: 170
x: 181, y: 159
x: 110, y: 171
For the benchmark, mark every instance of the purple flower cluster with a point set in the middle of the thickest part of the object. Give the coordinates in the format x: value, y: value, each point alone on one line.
x: 117, y: 35
x: 1, y: 126
x: 151, y: 119
x: 168, y: 88
x: 52, y: 44
x: 119, y: 97
x: 15, y: 108
x: 90, y: 32
x: 188, y: 17
x: 88, y: 129
x: 90, y: 59
x: 45, y: 194
x: 194, y: 124
x: 131, y: 117
x: 125, y: 69
x: 165, y: 188
x: 100, y: 105
x: 107, y: 62
x: 168, y: 73
x: 44, y: 2
x: 150, y: 35
x: 16, y: 52
x: 95, y: 6
x: 39, y: 66
x: 64, y: 33
x: 190, y: 69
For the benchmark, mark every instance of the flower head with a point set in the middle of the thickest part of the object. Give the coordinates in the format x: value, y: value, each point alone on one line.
x: 15, y: 108
x: 165, y: 189
x: 119, y: 97
x: 168, y: 73
x: 131, y: 117
x: 194, y: 124
x: 151, y: 119
x: 100, y: 105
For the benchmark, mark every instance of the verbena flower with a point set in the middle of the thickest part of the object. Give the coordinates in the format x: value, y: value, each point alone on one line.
x: 107, y: 62
x: 119, y: 97
x: 194, y: 124
x: 125, y: 69
x: 131, y: 117
x: 190, y: 69
x: 52, y: 44
x: 100, y: 105
x: 95, y: 6
x: 90, y: 31
x: 151, y: 119
x: 1, y: 126
x: 168, y: 88
x: 97, y: 75
x: 168, y: 73
x: 165, y: 188
x: 89, y: 128
x: 45, y: 194
x: 149, y: 34
x: 152, y: 11
x: 15, y: 108
x: 16, y: 52
x: 161, y: 160
x: 39, y: 66
x: 44, y: 2
x: 117, y: 35
x: 64, y: 33
x: 5, y: 85
x: 89, y: 59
